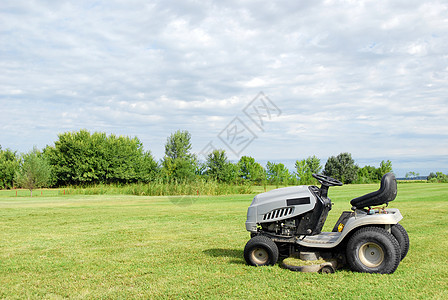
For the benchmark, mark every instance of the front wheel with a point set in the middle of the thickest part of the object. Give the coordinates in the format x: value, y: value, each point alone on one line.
x: 261, y: 251
x: 373, y: 250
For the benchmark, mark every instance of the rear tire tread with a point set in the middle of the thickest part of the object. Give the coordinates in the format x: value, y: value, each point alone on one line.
x: 402, y: 237
x: 379, y: 236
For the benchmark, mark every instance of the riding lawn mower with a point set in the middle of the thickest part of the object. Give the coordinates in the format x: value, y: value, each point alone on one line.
x: 288, y: 222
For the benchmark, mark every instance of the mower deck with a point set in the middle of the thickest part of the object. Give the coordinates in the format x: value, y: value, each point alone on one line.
x: 309, y: 263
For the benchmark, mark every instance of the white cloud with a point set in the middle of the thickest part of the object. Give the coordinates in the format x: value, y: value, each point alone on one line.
x: 365, y: 77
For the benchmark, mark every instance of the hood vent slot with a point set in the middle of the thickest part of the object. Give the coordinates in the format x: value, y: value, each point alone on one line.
x: 278, y: 213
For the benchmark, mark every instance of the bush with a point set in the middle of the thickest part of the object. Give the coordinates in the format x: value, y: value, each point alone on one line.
x: 83, y: 158
x: 438, y: 177
x: 9, y: 162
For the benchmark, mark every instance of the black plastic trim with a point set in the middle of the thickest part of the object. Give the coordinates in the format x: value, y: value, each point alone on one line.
x: 298, y: 201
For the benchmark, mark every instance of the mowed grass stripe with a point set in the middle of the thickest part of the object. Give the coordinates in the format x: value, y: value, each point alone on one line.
x: 147, y: 247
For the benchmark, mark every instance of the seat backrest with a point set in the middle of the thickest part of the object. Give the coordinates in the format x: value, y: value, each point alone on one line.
x: 386, y: 193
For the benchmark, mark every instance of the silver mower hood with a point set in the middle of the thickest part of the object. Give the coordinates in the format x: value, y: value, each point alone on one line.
x: 279, y: 204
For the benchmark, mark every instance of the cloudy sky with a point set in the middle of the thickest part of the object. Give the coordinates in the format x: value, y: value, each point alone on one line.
x: 365, y: 77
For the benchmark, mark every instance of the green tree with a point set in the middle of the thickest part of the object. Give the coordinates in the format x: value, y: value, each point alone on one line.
x: 301, y: 171
x: 431, y: 176
x: 84, y: 158
x: 370, y: 174
x: 178, y: 145
x: 305, y: 169
x: 34, y: 171
x: 438, y: 177
x: 313, y: 164
x: 78, y: 158
x: 341, y: 167
x: 216, y: 164
x: 385, y: 167
x: 412, y: 175
x: 127, y: 161
x: 147, y: 167
x: 367, y: 174
x: 250, y: 170
x: 200, y: 168
x: 278, y: 174
x: 9, y: 162
x: 179, y: 164
x: 219, y: 168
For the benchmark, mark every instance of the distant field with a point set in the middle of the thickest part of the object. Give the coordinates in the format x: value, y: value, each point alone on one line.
x: 59, y: 246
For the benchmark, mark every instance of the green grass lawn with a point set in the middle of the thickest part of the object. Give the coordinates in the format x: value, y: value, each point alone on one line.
x: 148, y: 247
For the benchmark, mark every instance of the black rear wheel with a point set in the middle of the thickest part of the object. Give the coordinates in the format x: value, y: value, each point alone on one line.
x: 261, y: 251
x: 373, y: 250
x: 402, y: 237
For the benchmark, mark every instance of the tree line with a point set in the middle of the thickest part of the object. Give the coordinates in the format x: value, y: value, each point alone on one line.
x: 82, y: 158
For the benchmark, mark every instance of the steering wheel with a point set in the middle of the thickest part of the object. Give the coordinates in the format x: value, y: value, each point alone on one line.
x: 327, y: 180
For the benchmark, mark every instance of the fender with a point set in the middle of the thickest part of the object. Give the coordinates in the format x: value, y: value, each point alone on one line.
x: 361, y: 219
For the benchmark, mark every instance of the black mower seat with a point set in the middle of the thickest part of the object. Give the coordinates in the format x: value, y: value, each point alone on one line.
x: 386, y: 193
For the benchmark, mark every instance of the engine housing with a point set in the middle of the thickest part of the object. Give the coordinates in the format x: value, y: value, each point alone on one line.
x: 289, y: 211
